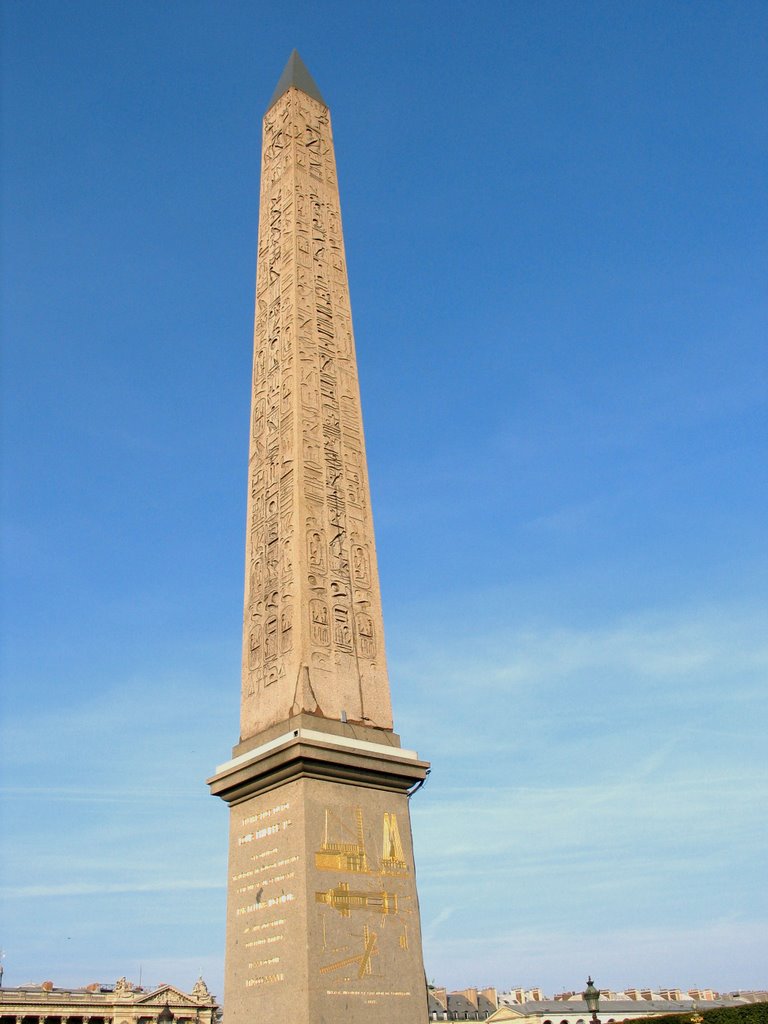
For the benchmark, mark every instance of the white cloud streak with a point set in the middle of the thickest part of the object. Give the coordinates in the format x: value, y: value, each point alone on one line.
x: 96, y: 889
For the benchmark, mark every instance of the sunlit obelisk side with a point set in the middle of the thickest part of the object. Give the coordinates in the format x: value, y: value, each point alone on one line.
x: 322, y: 912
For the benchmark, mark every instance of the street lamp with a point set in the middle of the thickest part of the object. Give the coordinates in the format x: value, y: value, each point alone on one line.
x: 591, y: 997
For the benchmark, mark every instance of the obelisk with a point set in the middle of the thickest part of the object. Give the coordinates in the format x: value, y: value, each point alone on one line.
x: 322, y: 912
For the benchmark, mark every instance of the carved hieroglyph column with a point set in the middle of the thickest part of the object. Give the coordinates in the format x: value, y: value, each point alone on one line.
x: 313, y: 636
x: 322, y: 911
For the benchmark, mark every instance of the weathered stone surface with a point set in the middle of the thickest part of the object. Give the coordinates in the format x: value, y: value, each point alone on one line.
x: 323, y: 925
x: 313, y: 637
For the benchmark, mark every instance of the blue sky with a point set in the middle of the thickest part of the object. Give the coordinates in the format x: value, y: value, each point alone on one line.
x: 556, y: 221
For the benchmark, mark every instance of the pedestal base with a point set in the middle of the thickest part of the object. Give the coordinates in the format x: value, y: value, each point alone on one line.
x: 322, y: 912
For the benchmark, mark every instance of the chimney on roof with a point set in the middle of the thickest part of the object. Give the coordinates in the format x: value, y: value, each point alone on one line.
x: 491, y: 995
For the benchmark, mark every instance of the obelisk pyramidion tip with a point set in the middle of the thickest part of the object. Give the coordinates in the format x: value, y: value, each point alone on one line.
x: 296, y: 76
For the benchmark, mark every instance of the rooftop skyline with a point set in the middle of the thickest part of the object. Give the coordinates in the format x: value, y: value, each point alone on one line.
x: 564, y: 415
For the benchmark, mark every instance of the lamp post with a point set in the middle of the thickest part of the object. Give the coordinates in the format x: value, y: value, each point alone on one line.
x: 591, y: 997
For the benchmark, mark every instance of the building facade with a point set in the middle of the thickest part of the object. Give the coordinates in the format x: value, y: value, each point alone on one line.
x: 464, y: 1004
x: 121, y: 1003
x: 530, y: 1006
x: 615, y: 1007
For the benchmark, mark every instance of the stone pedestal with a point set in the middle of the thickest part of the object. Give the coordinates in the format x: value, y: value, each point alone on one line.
x: 322, y: 912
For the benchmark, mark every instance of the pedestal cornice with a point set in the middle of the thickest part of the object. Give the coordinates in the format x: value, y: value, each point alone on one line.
x: 306, y: 753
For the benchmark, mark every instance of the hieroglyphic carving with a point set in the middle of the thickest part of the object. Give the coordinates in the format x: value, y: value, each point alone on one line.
x: 312, y: 595
x: 361, y: 566
x: 321, y: 633
x: 366, y: 634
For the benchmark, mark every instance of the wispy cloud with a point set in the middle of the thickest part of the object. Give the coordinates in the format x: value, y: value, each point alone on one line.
x: 607, y: 775
x: 431, y: 928
x: 561, y: 957
x: 81, y: 794
x: 659, y: 644
x: 96, y: 889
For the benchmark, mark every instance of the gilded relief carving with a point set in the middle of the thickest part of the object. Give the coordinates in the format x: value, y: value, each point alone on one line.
x: 361, y: 960
x: 392, y: 857
x: 347, y: 854
x: 344, y: 900
x: 349, y: 907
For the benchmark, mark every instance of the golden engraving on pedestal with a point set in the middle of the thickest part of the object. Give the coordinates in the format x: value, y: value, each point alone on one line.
x: 261, y: 904
x: 267, y: 924
x: 347, y: 848
x: 363, y: 960
x: 269, y: 979
x: 392, y: 860
x: 343, y: 856
x: 345, y: 900
x: 333, y: 949
x: 269, y: 962
x: 270, y: 940
x: 350, y: 854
